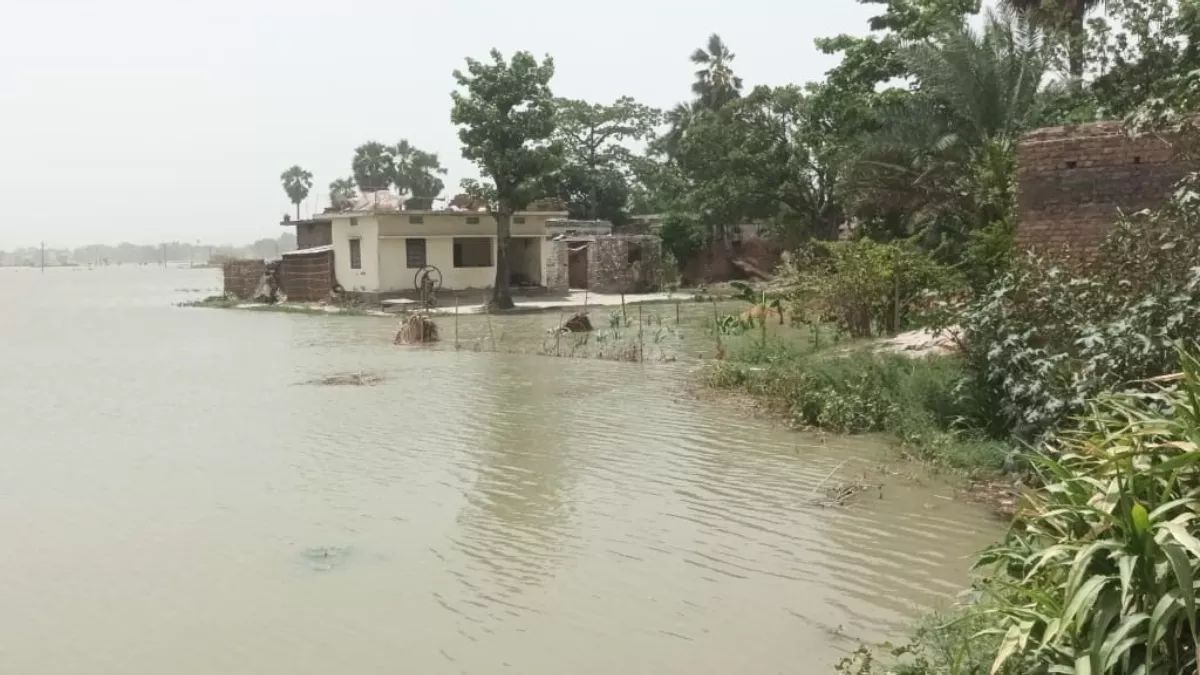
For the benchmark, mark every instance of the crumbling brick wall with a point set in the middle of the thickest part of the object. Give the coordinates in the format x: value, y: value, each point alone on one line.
x: 242, y: 277
x: 1074, y: 180
x: 625, y: 264
x: 556, y: 266
x: 307, y: 277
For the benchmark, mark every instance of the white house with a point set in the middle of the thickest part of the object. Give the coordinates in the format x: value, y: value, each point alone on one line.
x: 378, y: 248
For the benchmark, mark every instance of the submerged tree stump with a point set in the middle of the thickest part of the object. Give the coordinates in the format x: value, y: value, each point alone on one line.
x: 417, y: 329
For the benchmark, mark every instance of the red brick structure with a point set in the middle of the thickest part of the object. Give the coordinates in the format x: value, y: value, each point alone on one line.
x: 312, y: 233
x: 242, y: 277
x: 307, y: 275
x: 1074, y: 180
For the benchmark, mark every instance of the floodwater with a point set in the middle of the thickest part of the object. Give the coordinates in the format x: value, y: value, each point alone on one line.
x: 175, y: 499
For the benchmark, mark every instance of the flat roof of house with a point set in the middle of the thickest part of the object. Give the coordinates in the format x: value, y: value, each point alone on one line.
x: 307, y: 221
x: 431, y: 212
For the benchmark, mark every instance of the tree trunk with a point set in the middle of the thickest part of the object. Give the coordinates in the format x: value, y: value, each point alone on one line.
x: 297, y: 210
x: 1076, y: 39
x: 501, y: 298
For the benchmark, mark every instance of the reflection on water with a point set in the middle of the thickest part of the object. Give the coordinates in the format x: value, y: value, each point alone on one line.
x: 174, y: 499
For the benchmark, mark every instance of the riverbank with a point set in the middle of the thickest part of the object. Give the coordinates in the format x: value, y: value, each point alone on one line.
x: 918, y: 397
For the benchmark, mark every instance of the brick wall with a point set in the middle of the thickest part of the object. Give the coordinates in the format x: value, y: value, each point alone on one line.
x: 307, y: 277
x: 242, y: 277
x: 556, y: 266
x: 313, y: 234
x: 610, y: 269
x: 1073, y: 181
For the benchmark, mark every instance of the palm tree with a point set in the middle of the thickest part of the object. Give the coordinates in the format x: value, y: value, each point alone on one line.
x: 341, y: 193
x: 1066, y: 17
x: 943, y: 155
x: 372, y: 166
x: 415, y: 173
x: 715, y: 83
x: 296, y: 182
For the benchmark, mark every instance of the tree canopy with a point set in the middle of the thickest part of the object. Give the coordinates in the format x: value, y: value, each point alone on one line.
x: 296, y: 183
x: 506, y: 117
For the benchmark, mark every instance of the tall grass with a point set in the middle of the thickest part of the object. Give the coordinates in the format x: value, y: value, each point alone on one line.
x: 1099, y: 573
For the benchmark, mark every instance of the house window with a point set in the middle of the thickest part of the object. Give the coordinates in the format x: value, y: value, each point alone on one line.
x: 518, y: 220
x: 634, y: 253
x: 354, y: 222
x: 356, y: 254
x: 414, y: 251
x: 416, y: 220
x: 472, y: 252
x: 472, y: 220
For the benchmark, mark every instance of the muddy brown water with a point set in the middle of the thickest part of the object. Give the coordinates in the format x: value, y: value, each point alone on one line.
x: 174, y: 498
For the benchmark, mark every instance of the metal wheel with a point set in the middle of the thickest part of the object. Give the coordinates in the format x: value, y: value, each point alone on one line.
x: 433, y: 274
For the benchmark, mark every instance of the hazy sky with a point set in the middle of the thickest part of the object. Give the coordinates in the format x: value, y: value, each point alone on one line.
x: 151, y: 120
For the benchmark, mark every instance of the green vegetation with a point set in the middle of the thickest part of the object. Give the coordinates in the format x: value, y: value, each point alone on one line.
x: 1097, y: 574
x: 296, y: 183
x: 506, y: 116
x: 852, y: 390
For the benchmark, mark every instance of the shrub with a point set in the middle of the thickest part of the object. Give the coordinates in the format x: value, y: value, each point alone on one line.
x: 1098, y: 573
x: 1046, y: 337
x: 857, y: 285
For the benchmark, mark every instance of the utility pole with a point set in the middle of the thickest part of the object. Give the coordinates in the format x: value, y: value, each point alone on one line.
x: 43, y: 257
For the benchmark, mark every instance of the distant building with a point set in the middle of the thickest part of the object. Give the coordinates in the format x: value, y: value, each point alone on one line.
x: 378, y: 247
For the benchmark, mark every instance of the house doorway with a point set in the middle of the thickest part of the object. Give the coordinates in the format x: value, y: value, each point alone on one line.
x: 577, y: 266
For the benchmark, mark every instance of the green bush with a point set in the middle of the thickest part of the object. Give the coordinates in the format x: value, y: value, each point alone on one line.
x: 1045, y: 337
x: 1098, y: 574
x: 856, y: 285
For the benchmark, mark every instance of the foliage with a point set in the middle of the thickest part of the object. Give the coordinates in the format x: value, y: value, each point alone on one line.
x: 1045, y: 338
x: 866, y: 288
x: 416, y: 173
x: 715, y: 83
x: 1098, y: 573
x: 506, y: 115
x: 342, y: 193
x: 763, y: 157
x: 941, y: 645
x: 373, y: 166
x: 594, y: 178
x: 1065, y: 21
x: 943, y: 157
x: 917, y: 399
x: 296, y: 183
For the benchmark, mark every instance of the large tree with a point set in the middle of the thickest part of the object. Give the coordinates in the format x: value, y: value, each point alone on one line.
x: 594, y: 177
x: 296, y: 183
x: 373, y: 166
x: 416, y: 173
x: 505, y: 111
x: 341, y: 194
x: 941, y: 162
